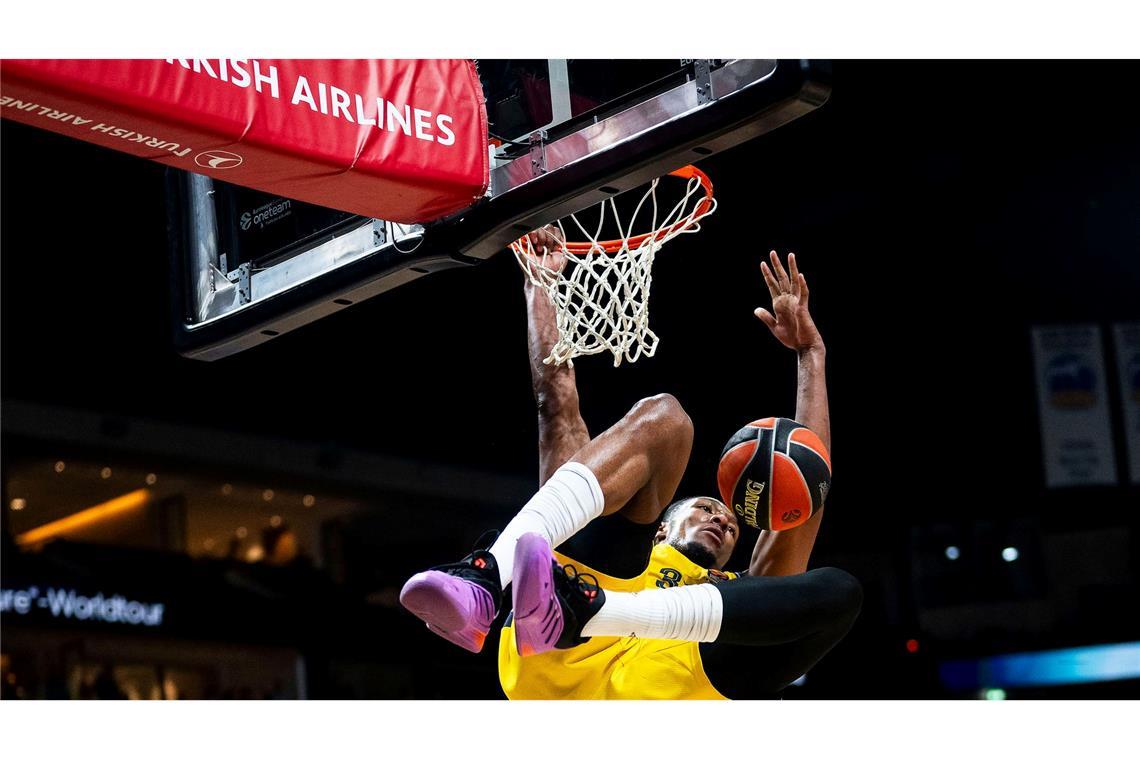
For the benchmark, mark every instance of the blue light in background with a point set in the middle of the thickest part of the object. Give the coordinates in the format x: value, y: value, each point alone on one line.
x: 1112, y: 662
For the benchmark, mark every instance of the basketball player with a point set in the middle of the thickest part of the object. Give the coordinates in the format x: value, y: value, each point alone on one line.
x: 635, y: 604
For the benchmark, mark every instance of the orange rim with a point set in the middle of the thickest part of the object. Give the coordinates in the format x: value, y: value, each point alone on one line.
x: 613, y: 246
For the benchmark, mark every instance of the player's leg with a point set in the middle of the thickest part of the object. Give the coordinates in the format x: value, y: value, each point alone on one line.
x: 806, y: 618
x: 762, y: 611
x: 799, y: 617
x: 640, y: 460
x: 636, y: 465
x: 633, y: 467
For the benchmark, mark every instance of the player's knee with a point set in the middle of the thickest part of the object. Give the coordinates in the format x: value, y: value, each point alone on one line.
x: 844, y: 593
x: 665, y: 414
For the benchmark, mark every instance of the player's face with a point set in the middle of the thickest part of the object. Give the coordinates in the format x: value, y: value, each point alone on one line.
x: 705, y: 523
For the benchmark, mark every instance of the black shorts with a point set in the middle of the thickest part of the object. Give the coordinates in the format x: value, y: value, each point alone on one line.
x: 613, y: 545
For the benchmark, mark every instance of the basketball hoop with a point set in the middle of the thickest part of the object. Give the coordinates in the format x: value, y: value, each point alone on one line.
x: 600, y: 288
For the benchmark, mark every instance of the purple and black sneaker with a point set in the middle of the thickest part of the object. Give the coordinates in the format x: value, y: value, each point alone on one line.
x: 551, y: 603
x: 458, y: 601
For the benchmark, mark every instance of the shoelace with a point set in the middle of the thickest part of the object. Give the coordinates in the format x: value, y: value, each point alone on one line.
x: 587, y: 587
x: 481, y: 544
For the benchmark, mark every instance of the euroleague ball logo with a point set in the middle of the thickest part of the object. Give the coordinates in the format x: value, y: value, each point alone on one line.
x: 218, y: 159
x: 791, y: 515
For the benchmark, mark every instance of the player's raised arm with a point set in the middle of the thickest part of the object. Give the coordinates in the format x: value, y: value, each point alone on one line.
x: 787, y: 552
x: 561, y: 430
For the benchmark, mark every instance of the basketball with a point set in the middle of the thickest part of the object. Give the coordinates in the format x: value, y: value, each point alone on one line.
x: 774, y: 473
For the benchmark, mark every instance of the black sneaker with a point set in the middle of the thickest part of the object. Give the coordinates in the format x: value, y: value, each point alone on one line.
x: 551, y: 603
x: 459, y: 600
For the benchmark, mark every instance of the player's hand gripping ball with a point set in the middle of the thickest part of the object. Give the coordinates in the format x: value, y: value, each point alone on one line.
x: 774, y: 473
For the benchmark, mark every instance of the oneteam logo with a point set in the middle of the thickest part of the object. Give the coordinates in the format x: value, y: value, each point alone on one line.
x: 218, y: 159
x: 274, y: 211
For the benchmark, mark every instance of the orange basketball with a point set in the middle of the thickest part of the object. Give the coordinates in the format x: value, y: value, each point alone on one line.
x: 774, y: 473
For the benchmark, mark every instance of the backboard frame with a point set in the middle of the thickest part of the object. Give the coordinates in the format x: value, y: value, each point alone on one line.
x: 717, y: 105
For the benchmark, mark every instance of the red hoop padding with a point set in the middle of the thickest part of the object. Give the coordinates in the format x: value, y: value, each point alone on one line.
x: 401, y: 140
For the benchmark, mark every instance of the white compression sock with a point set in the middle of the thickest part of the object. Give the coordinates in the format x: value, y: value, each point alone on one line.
x: 562, y: 507
x: 683, y: 613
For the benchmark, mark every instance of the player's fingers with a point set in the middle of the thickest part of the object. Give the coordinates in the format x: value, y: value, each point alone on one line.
x: 793, y: 273
x: 545, y: 239
x: 766, y: 317
x: 536, y: 244
x: 769, y: 278
x: 778, y: 268
x: 804, y: 292
x: 557, y: 237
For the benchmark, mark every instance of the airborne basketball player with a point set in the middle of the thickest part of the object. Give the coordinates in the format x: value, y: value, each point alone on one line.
x: 634, y: 603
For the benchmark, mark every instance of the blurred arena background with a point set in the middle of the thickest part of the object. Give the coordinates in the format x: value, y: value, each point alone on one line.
x: 240, y: 529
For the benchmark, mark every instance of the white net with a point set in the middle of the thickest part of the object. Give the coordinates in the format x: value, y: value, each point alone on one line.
x: 600, y: 288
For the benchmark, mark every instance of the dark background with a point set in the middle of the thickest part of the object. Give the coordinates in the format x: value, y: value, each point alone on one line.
x: 938, y: 209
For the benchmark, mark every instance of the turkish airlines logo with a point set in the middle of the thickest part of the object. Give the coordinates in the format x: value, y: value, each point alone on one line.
x: 218, y: 159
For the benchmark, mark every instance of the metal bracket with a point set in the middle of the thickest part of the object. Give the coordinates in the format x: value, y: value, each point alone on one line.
x: 240, y: 277
x: 538, y: 153
x: 702, y: 76
x: 379, y: 232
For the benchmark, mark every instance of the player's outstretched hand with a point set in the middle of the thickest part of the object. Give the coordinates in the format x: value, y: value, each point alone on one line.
x: 789, y: 319
x: 547, y: 247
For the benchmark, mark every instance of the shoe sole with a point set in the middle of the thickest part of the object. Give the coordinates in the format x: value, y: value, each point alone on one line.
x: 446, y: 608
x: 538, y: 614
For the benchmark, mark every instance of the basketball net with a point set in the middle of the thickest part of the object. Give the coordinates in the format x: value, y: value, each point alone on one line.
x: 600, y: 288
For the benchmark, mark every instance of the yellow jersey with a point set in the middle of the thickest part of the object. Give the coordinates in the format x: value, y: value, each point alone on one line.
x: 612, y: 667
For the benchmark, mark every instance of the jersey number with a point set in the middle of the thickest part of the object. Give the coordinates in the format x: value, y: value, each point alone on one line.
x: 669, y: 578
